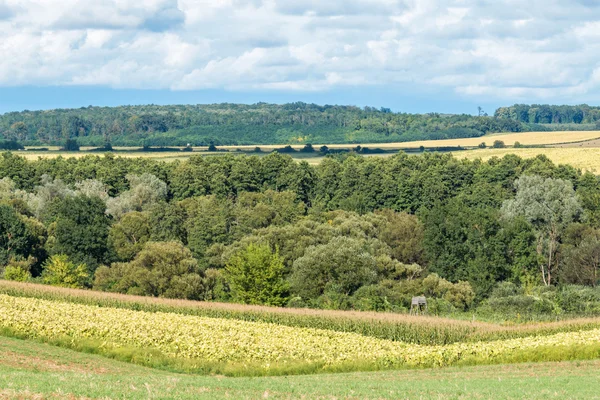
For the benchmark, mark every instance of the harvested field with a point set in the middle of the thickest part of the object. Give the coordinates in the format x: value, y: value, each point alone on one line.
x: 585, y: 158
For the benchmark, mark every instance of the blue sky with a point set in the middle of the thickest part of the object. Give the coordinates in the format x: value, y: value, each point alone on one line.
x: 410, y: 55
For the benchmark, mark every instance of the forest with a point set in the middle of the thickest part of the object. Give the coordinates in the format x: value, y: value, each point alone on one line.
x: 238, y: 124
x: 510, y: 235
x: 550, y: 114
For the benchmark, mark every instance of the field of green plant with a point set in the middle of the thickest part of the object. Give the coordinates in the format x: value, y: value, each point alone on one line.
x: 30, y: 370
x: 194, y: 337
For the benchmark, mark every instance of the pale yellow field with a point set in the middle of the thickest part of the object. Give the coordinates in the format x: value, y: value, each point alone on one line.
x: 587, y: 159
x: 526, y: 138
x: 583, y: 157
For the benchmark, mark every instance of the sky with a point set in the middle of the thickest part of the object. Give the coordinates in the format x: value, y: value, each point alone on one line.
x: 409, y: 55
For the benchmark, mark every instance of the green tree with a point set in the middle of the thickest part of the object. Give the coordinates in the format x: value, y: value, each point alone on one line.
x: 161, y: 269
x: 16, y: 240
x: 78, y: 227
x: 60, y: 271
x: 343, y: 265
x: 255, y: 276
x: 130, y: 234
x: 550, y: 205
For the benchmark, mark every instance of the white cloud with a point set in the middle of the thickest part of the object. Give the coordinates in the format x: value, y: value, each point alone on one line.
x: 495, y: 49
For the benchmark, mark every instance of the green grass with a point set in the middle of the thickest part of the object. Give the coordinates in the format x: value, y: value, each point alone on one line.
x: 34, y: 370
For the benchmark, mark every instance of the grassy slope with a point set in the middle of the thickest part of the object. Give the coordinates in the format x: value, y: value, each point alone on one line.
x: 33, y: 370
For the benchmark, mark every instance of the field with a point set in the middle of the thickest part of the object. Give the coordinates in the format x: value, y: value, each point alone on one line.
x: 525, y: 138
x: 584, y: 139
x: 586, y: 158
x: 67, y: 343
x: 30, y: 370
x: 236, y: 340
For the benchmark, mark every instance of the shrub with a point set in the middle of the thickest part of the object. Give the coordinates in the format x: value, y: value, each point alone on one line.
x: 255, y: 276
x: 60, y: 271
x: 70, y: 145
x: 19, y: 270
x: 498, y: 144
x: 162, y: 269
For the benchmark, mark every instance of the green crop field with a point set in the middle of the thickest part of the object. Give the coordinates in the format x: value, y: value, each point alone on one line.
x: 30, y: 370
x: 65, y: 343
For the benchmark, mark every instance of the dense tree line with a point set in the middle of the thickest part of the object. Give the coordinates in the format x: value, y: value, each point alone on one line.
x: 351, y: 232
x: 550, y: 114
x: 222, y: 124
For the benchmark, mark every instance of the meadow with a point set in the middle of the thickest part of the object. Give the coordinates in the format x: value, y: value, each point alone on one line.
x: 31, y: 370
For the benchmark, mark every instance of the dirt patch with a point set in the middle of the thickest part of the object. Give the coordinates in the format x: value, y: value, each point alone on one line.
x: 21, y: 361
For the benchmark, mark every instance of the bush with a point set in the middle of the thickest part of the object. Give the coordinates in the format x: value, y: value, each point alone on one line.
x: 162, y: 269
x: 19, y: 270
x: 70, y: 145
x: 498, y: 144
x: 372, y: 298
x: 255, y: 276
x: 60, y: 271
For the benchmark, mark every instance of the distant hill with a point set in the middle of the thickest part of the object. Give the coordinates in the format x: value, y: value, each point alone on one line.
x: 238, y: 124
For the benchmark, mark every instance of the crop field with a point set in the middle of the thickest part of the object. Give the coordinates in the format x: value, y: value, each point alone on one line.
x: 525, y: 138
x: 425, y: 330
x: 234, y: 340
x: 32, y: 370
x: 577, y: 139
x: 585, y: 158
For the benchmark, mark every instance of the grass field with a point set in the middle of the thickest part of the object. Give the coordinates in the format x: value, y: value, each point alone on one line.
x: 586, y: 158
x: 30, y: 370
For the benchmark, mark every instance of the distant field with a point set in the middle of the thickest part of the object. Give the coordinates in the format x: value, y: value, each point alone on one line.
x: 30, y: 370
x: 526, y: 138
x: 576, y: 148
x: 586, y: 158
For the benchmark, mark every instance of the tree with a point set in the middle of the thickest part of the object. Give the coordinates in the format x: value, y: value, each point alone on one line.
x: 78, y: 228
x: 145, y: 191
x: 130, y: 234
x: 161, y: 269
x: 550, y: 205
x: 463, y: 241
x: 342, y: 265
x: 404, y: 234
x: 498, y: 144
x: 71, y: 145
x: 581, y: 255
x: 60, y: 271
x: 255, y: 276
x: 15, y: 239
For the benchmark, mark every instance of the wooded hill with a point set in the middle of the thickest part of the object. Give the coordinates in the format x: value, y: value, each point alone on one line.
x: 238, y: 124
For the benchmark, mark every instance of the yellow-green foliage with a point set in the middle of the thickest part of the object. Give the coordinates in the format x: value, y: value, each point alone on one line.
x: 60, y: 271
x: 222, y: 340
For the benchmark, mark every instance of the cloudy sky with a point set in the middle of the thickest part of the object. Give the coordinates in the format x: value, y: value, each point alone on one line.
x: 410, y: 55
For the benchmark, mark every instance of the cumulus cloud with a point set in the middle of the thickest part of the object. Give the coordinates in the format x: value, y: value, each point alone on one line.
x: 541, y: 49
